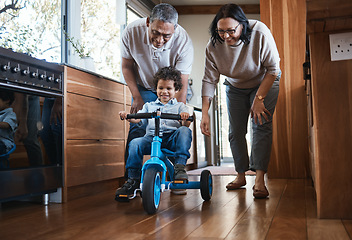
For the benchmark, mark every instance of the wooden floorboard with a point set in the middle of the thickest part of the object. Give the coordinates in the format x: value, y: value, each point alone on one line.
x: 288, y: 213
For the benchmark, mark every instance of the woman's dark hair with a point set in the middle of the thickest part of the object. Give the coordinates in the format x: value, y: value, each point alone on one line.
x: 169, y: 73
x: 7, y: 96
x: 235, y: 12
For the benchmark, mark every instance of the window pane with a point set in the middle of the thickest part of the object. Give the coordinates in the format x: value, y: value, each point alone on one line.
x: 32, y: 27
x: 100, y: 34
x: 131, y: 16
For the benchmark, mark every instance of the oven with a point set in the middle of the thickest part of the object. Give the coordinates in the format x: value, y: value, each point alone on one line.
x: 33, y: 167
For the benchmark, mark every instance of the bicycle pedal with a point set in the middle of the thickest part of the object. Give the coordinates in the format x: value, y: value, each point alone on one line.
x: 180, y: 181
x: 122, y: 198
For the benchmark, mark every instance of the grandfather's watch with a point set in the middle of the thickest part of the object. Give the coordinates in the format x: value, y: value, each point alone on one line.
x: 260, y: 97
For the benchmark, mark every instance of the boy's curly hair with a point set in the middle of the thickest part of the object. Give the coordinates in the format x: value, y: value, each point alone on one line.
x: 169, y: 73
x: 6, y: 95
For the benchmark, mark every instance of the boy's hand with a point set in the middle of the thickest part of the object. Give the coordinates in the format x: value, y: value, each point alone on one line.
x: 184, y: 115
x: 123, y: 115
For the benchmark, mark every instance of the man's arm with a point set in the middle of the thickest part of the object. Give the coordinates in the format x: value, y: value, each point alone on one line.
x: 130, y: 78
x: 182, y: 94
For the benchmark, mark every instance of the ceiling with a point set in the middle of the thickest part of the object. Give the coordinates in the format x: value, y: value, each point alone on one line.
x: 322, y: 15
x: 328, y: 15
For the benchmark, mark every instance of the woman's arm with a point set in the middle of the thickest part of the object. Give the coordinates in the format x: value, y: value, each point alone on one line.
x: 205, y: 122
x: 258, y: 108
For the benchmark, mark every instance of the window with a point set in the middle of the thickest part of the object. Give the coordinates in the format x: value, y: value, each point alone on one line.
x: 32, y: 27
x: 132, y: 15
x: 100, y: 35
x: 89, y: 38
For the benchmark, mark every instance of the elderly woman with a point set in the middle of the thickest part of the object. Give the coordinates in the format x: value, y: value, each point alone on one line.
x: 245, y: 52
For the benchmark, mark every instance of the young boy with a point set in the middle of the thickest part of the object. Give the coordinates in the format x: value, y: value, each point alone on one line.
x: 176, y: 136
x: 8, y: 124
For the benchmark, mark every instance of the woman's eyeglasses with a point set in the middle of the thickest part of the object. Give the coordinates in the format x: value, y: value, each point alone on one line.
x: 229, y: 31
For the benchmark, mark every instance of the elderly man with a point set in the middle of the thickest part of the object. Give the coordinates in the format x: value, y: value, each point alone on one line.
x: 149, y: 44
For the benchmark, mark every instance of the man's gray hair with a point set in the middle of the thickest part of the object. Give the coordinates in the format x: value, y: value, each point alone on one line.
x: 164, y: 12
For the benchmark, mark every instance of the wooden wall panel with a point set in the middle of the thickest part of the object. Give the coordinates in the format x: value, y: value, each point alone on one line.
x: 90, y: 118
x: 93, y: 161
x: 213, y: 9
x: 332, y: 129
x: 287, y: 22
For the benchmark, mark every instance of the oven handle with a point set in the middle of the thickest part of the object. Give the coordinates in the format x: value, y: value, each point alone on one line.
x: 30, y: 90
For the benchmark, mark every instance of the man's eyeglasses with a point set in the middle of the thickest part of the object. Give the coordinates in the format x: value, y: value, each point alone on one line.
x: 229, y: 31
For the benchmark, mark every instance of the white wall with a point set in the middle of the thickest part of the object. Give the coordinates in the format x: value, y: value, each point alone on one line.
x: 197, y: 27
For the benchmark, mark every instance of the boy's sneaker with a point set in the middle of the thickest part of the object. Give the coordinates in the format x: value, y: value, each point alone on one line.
x: 123, y: 193
x: 180, y: 172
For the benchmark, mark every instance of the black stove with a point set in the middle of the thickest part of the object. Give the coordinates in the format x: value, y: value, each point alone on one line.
x: 34, y: 169
x: 25, y: 73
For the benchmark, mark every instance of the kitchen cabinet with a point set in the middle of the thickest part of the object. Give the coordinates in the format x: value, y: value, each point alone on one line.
x: 94, y: 135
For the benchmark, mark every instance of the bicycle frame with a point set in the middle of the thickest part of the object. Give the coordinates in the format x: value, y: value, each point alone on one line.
x: 160, y: 161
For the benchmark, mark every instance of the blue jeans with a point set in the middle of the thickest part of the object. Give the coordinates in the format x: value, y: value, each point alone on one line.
x: 178, y: 141
x: 135, y: 130
x: 239, y: 102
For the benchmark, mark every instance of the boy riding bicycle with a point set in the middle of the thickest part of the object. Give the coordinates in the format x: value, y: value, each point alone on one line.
x: 176, y: 136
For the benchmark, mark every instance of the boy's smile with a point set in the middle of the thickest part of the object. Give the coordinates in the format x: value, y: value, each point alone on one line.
x: 165, y: 90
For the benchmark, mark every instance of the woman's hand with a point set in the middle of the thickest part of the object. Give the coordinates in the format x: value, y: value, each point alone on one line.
x: 204, y: 124
x: 258, y: 110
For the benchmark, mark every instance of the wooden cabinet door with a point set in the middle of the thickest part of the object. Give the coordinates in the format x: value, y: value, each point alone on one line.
x: 89, y: 161
x: 91, y: 118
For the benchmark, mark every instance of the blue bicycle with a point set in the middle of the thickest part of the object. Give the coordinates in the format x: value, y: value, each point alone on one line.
x: 155, y: 170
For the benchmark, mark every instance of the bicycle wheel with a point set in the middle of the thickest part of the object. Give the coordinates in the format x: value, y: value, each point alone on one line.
x: 151, y: 190
x: 206, y: 185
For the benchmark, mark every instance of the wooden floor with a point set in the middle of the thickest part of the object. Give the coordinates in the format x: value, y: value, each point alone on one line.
x: 289, y: 213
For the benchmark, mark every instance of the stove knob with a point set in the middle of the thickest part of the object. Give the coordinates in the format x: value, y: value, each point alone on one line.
x: 34, y: 75
x: 16, y: 69
x: 25, y: 72
x: 5, y: 67
x: 50, y: 79
x: 42, y: 76
x: 57, y: 80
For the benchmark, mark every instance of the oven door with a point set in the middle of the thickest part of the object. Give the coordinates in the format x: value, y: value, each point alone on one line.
x: 33, y: 167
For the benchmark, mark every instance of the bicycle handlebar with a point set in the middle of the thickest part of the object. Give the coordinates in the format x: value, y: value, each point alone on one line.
x: 155, y: 115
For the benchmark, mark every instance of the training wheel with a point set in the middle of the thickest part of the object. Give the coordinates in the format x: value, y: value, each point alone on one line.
x: 206, y: 185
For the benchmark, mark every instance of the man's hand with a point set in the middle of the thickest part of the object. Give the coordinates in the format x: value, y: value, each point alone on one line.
x: 137, y: 105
